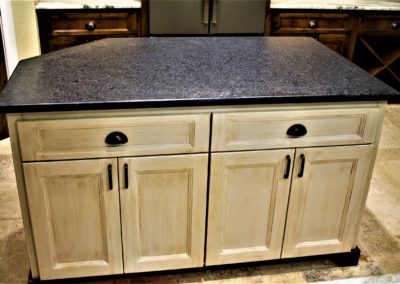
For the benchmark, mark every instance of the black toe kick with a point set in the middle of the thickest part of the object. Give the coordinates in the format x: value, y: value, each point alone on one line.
x: 346, y: 258
x: 343, y: 259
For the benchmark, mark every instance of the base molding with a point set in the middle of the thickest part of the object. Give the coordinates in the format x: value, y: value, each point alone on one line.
x: 343, y: 259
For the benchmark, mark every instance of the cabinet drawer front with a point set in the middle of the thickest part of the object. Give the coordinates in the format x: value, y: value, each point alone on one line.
x: 380, y: 24
x: 264, y: 130
x: 311, y: 23
x: 94, y: 24
x: 85, y: 138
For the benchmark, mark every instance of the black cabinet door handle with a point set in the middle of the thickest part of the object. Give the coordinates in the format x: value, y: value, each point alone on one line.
x: 116, y: 138
x: 302, y: 161
x: 289, y: 161
x: 126, y: 176
x: 296, y: 130
x: 110, y: 181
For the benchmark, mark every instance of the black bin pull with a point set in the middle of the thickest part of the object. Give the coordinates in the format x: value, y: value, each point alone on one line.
x: 296, y: 130
x: 110, y: 181
x: 116, y: 138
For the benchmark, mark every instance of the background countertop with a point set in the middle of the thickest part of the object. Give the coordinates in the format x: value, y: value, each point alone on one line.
x: 384, y: 5
x: 88, y: 4
x: 152, y: 72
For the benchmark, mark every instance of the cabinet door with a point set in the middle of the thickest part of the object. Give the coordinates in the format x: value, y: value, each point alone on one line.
x: 247, y: 205
x: 75, y: 217
x: 163, y: 205
x: 326, y: 202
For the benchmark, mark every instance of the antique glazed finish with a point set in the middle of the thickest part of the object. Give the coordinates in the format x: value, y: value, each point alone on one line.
x: 195, y: 123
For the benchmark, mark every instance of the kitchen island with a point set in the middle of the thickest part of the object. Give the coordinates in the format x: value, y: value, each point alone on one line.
x: 151, y: 154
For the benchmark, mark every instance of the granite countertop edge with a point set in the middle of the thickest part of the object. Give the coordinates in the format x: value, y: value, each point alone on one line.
x: 107, y: 105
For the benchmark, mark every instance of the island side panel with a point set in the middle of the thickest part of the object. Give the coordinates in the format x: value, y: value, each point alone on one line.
x: 23, y: 201
x: 378, y: 126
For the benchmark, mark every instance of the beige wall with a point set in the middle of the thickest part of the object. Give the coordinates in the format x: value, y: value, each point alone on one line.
x: 26, y: 28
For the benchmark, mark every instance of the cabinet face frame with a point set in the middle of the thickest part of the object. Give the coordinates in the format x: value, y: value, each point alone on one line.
x: 68, y: 192
x: 176, y: 223
x: 234, y: 237
x: 319, y: 197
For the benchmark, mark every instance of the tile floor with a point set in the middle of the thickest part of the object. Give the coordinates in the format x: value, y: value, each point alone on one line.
x: 379, y: 238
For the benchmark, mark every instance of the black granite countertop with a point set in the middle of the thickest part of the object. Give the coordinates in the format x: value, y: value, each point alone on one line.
x: 157, y: 72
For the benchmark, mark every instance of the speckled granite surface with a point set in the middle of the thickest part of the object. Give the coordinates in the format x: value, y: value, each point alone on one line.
x: 147, y: 72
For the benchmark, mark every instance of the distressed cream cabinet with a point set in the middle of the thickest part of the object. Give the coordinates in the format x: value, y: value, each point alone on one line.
x: 91, y: 208
x: 250, y: 190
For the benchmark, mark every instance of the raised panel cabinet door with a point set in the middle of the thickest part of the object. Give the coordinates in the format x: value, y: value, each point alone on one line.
x: 163, y: 208
x: 75, y: 217
x: 326, y: 201
x: 247, y: 205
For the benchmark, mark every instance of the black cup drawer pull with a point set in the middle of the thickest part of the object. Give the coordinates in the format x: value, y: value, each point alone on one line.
x: 296, y: 130
x: 116, y: 138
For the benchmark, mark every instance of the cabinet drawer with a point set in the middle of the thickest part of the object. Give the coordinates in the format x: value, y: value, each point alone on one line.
x: 93, y: 24
x: 380, y: 25
x: 310, y: 23
x: 85, y: 138
x: 267, y: 130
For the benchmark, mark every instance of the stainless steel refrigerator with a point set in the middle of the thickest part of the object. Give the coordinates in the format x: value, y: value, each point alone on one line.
x: 201, y: 17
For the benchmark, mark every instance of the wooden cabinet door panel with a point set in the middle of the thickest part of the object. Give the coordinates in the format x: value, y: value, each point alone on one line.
x: 75, y: 218
x: 163, y: 207
x: 247, y: 205
x: 326, y: 202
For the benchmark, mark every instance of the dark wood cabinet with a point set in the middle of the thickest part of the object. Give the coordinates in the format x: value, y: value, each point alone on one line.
x: 371, y: 39
x: 335, y: 30
x: 64, y: 28
x: 378, y: 46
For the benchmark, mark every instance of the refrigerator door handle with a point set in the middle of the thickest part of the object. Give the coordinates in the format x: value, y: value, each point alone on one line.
x: 214, y: 12
x: 205, y: 12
